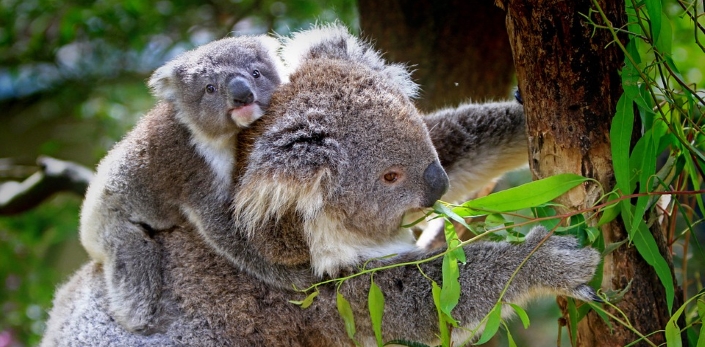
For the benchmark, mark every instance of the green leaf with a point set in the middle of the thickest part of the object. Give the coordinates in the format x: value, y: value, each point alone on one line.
x: 653, y: 7
x: 526, y: 195
x: 494, y: 319
x: 609, y: 213
x: 442, y: 209
x: 305, y: 303
x: 621, y: 135
x: 573, y: 324
x: 450, y: 291
x: 646, y: 245
x: 630, y: 73
x: 442, y: 322
x: 375, y: 303
x: 522, y: 315
x: 664, y: 43
x: 632, y: 25
x: 592, y: 234
x: 406, y: 343
x: 701, y: 314
x: 510, y: 339
x: 648, y: 168
x: 452, y: 240
x: 673, y: 332
x: 345, y: 312
x: 613, y: 246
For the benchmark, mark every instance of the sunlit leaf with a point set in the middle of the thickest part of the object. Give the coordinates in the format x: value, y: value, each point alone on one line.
x: 442, y: 321
x: 305, y: 303
x: 405, y: 343
x: 664, y: 43
x: 510, y: 339
x: 648, y: 168
x: 450, y: 290
x: 457, y: 253
x: 522, y: 315
x: 646, y: 245
x: 494, y: 319
x: 375, y: 303
x: 620, y: 135
x: 346, y: 313
x: 653, y: 7
x: 526, y: 195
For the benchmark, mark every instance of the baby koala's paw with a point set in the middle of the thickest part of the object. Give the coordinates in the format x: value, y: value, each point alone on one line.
x: 561, y: 265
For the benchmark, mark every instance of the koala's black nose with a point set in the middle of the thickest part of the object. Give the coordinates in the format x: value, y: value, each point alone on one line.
x: 437, y: 183
x: 240, y: 91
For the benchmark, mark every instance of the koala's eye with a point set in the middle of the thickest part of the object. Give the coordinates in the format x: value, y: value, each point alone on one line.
x: 391, y: 177
x: 256, y: 74
x: 210, y: 89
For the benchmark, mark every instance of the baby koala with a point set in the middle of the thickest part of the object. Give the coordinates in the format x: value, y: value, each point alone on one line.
x: 175, y: 167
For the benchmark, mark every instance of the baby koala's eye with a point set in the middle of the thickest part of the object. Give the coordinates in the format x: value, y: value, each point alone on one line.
x: 256, y: 74
x: 210, y: 89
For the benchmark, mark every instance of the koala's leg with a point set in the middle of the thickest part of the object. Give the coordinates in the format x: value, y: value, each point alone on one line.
x: 133, y: 278
x: 476, y: 143
x: 559, y: 266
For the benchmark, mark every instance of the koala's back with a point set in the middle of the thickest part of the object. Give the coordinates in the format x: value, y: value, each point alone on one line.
x: 213, y: 303
x: 143, y: 178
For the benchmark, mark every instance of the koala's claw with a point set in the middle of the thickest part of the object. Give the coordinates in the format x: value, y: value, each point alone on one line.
x: 585, y: 293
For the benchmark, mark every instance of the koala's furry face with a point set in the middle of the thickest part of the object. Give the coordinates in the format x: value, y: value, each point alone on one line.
x: 348, y: 151
x: 221, y: 86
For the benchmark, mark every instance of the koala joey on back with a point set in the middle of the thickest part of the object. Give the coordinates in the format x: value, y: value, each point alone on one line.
x: 175, y: 165
x: 324, y: 182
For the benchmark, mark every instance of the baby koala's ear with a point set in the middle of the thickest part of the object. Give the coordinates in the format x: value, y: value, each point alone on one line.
x: 273, y: 47
x: 163, y: 81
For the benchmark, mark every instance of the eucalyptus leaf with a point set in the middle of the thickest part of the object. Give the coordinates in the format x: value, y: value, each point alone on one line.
x: 621, y: 135
x: 375, y: 303
x: 526, y: 195
x: 305, y: 303
x: 346, y: 313
x: 647, y: 248
x: 522, y: 315
x: 654, y: 9
x: 450, y: 290
x: 494, y: 319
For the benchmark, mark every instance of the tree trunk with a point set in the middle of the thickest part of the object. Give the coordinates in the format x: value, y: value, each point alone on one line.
x: 568, y: 76
x: 458, y: 49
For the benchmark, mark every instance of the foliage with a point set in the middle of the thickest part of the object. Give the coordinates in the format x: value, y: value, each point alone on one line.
x: 28, y: 265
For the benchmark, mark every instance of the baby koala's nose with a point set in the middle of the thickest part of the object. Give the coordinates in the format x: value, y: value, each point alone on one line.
x: 240, y: 91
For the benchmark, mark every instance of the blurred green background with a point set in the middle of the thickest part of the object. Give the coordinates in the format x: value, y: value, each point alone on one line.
x: 72, y: 82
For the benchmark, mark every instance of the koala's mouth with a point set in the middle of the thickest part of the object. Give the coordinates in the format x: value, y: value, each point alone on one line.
x: 246, y: 114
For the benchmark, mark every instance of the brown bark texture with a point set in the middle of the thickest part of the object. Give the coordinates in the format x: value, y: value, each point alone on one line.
x: 458, y: 49
x: 568, y: 75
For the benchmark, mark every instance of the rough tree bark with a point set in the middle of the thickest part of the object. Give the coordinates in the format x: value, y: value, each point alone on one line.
x: 568, y: 75
x: 458, y: 49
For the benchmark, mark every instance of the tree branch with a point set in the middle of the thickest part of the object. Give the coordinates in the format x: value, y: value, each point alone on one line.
x: 54, y: 176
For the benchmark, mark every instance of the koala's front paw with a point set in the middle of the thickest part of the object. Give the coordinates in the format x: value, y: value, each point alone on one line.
x: 561, y: 265
x: 137, y: 317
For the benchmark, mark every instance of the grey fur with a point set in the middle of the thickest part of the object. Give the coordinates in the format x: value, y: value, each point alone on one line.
x: 313, y: 202
x: 174, y: 167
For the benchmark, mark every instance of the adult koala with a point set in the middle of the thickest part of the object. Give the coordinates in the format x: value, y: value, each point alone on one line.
x: 326, y: 177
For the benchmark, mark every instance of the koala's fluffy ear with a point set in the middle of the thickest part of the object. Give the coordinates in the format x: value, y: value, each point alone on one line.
x: 273, y: 47
x: 334, y: 41
x: 291, y: 167
x: 163, y: 81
